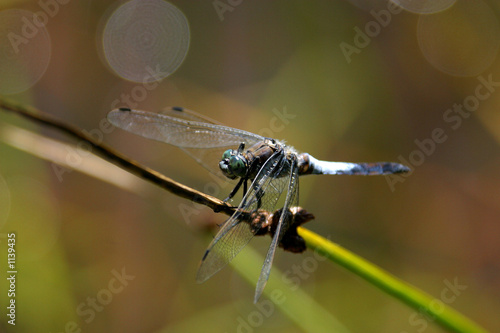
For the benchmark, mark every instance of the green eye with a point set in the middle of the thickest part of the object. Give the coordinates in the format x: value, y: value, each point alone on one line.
x: 237, y: 166
x: 226, y: 154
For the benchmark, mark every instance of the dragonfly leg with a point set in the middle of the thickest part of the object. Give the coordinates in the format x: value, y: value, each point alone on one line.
x: 235, y: 189
x: 245, y: 187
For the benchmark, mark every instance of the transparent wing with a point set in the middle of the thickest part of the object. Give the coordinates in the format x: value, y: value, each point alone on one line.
x: 266, y: 189
x: 285, y: 221
x: 182, y: 113
x: 179, y: 128
x: 200, y: 137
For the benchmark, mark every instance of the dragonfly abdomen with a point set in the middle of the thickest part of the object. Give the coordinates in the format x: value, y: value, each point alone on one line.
x: 309, y: 165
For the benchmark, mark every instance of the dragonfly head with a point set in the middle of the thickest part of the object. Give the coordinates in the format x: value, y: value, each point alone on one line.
x: 233, y: 164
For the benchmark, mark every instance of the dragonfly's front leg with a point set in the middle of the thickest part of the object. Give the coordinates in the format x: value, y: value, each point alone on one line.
x: 236, y: 188
x: 243, y: 181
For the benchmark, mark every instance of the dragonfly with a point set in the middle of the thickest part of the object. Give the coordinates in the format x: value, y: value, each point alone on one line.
x: 267, y: 169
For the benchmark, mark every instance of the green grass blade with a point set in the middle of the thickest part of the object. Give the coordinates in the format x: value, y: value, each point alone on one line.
x: 420, y: 301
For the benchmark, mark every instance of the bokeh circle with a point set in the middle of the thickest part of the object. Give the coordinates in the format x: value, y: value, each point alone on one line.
x: 145, y: 41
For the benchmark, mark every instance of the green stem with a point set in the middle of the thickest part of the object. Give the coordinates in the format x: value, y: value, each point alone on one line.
x: 420, y: 301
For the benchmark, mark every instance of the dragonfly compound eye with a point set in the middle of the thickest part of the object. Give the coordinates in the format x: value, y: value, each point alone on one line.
x: 237, y: 166
x: 226, y: 154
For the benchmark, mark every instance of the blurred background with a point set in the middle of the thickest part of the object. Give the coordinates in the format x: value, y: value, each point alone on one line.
x: 362, y: 81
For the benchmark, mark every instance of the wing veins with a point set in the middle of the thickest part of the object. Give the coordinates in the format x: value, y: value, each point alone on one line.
x: 234, y: 235
x: 291, y: 199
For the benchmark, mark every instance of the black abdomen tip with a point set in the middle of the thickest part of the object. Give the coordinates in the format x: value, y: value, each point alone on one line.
x: 125, y: 109
x: 178, y: 108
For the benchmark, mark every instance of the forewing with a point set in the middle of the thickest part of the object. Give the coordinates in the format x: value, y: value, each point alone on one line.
x: 286, y: 219
x: 182, y: 113
x: 235, y: 233
x: 178, y: 130
x: 200, y: 137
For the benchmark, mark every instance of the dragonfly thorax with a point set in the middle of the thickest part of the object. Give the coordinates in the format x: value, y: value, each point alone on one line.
x: 233, y: 164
